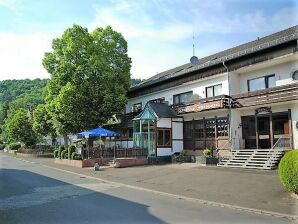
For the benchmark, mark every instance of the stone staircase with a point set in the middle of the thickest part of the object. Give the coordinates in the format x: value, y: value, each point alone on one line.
x: 265, y: 159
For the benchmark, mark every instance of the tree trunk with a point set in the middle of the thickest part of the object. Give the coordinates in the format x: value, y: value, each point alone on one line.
x: 65, y: 137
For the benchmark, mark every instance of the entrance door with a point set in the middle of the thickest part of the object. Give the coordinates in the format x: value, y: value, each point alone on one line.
x: 263, y: 132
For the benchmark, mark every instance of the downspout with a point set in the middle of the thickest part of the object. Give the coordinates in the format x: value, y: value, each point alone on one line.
x: 230, y: 106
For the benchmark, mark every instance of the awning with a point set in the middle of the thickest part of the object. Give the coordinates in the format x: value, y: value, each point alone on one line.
x: 97, y: 132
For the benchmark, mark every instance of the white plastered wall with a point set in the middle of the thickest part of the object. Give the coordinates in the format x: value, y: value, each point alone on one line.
x: 236, y: 130
x: 283, y: 75
x: 198, y: 87
x: 294, y: 114
x: 164, y: 123
x: 177, y: 134
x: 176, y: 126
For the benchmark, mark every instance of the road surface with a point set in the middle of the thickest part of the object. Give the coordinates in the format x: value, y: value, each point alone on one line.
x: 32, y: 193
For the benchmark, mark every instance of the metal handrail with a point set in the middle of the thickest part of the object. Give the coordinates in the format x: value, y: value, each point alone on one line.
x: 277, y: 144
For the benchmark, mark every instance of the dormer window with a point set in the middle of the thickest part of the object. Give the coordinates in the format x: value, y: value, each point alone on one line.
x: 261, y: 83
x: 137, y: 107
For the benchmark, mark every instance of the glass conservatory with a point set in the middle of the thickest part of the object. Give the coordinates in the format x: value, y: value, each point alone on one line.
x: 144, y: 131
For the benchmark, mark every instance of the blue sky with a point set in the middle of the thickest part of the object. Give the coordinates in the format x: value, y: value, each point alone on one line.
x: 159, y: 32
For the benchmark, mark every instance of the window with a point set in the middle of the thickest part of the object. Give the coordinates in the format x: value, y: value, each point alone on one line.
x: 210, y: 128
x: 159, y: 100
x: 261, y: 83
x: 182, y: 98
x: 199, y: 134
x: 199, y: 129
x: 137, y: 107
x: 222, y: 126
x: 127, y: 133
x: 164, y: 138
x: 214, y: 90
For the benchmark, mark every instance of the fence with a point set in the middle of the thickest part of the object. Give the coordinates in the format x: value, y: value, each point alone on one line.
x: 97, y: 152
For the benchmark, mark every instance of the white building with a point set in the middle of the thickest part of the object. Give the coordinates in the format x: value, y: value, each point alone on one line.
x: 241, y: 98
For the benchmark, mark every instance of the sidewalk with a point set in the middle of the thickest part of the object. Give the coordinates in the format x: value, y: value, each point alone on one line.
x: 256, y: 189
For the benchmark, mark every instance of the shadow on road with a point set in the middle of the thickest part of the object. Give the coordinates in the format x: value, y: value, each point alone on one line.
x: 27, y: 197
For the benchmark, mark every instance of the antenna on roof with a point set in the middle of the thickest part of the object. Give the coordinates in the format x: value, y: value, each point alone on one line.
x: 194, y: 59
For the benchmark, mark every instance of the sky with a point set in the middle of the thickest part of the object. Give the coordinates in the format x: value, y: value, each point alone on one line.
x: 159, y: 32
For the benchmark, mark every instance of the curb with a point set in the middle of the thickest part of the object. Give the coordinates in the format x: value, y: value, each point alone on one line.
x: 201, y: 201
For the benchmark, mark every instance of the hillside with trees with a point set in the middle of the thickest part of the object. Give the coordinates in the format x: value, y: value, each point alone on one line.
x: 20, y: 94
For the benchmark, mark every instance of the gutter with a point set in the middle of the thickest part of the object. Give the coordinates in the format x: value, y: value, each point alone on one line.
x: 230, y: 107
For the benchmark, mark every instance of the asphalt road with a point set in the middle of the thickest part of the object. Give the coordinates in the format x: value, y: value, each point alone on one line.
x: 31, y: 193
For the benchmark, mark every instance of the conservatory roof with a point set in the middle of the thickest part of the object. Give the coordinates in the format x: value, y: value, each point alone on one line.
x: 154, y: 110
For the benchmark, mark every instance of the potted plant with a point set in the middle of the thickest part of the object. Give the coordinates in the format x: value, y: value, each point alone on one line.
x: 208, y: 158
x: 182, y: 157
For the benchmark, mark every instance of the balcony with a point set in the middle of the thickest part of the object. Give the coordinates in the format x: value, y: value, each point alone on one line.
x: 211, y: 103
x: 266, y: 96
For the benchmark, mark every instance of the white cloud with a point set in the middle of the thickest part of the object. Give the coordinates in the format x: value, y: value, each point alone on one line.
x: 151, y: 46
x: 21, y: 55
x: 158, y: 43
x: 137, y: 29
x: 159, y: 33
x: 11, y: 5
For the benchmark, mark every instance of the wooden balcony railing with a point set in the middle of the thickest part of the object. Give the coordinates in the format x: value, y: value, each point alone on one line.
x: 205, y: 104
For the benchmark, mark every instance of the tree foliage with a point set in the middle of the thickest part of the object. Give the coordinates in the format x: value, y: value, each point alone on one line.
x: 11, y: 89
x: 16, y: 94
x: 19, y: 128
x: 90, y: 75
x: 42, y: 121
x: 288, y: 171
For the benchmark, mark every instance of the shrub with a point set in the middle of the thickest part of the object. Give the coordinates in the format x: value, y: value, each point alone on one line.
x: 14, y: 146
x: 56, y: 153
x: 288, y: 171
x: 61, y: 148
x: 65, y: 155
x: 207, y: 152
x: 62, y: 155
x: 73, y: 155
x: 183, y: 153
x: 78, y: 157
x: 71, y: 149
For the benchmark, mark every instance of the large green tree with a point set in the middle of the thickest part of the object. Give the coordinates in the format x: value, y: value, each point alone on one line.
x: 90, y: 75
x: 19, y: 128
x: 42, y: 122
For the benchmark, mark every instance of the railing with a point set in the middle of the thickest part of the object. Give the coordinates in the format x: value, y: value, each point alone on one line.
x: 97, y: 152
x: 282, y: 142
x: 210, y: 103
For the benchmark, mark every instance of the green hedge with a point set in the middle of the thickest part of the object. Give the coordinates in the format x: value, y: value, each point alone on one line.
x: 61, y: 148
x: 65, y: 155
x: 288, y: 171
x: 73, y: 155
x: 71, y: 149
x: 14, y: 146
x: 56, y: 153
x: 62, y: 155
